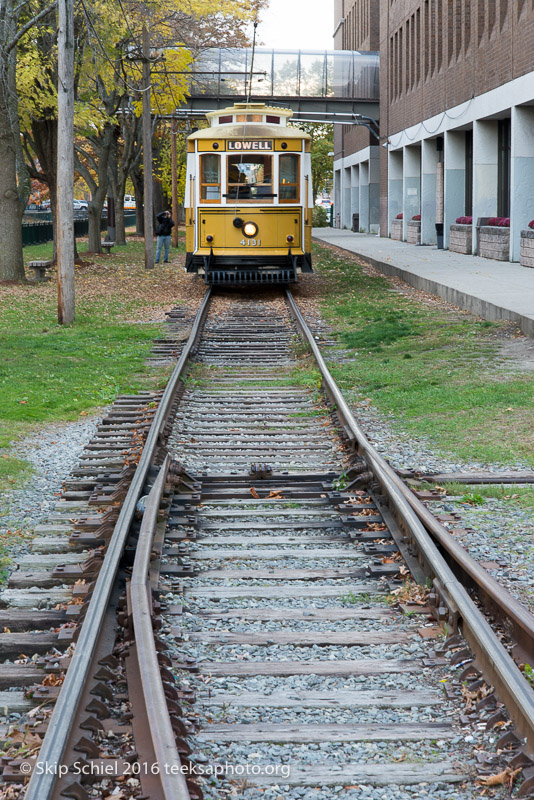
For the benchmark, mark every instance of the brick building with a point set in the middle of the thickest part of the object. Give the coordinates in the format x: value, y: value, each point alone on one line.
x: 356, y: 160
x: 456, y: 112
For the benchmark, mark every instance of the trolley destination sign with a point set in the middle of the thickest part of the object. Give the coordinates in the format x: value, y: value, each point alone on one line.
x: 250, y: 144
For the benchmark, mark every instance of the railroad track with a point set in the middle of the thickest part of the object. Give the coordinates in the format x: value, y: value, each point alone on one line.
x: 279, y: 659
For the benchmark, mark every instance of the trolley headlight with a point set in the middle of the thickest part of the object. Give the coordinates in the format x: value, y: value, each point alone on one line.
x: 250, y: 229
x: 290, y: 238
x: 209, y: 238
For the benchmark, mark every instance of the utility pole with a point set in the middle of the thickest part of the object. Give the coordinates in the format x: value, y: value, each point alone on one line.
x: 147, y: 154
x: 65, y: 164
x: 174, y: 232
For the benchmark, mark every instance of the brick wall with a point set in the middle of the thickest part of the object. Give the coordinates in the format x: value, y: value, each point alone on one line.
x: 361, y: 31
x: 384, y: 112
x: 442, y: 52
x: 435, y: 54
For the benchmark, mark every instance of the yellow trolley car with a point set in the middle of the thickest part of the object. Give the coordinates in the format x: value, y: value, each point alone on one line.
x: 248, y: 197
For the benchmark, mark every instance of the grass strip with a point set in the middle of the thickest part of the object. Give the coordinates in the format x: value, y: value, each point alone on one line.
x: 51, y: 373
x: 437, y: 371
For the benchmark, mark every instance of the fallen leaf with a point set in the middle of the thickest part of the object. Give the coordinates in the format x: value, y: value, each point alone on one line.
x: 500, y: 778
x: 254, y: 493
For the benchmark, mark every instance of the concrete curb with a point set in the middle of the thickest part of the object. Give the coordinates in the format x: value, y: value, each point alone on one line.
x: 477, y: 305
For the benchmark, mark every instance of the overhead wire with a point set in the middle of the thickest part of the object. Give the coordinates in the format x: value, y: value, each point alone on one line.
x: 248, y: 95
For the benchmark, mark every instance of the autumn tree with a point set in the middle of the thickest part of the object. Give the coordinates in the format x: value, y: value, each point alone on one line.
x: 322, y: 144
x: 16, y: 19
x: 37, y: 92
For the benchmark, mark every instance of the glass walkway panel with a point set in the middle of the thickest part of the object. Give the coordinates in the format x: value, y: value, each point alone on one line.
x: 306, y: 80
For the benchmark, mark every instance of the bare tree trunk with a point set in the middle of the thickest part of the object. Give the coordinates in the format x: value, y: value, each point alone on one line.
x: 103, y: 145
x: 120, y: 228
x: 65, y: 164
x: 44, y: 144
x: 11, y: 263
x: 174, y: 178
x: 137, y: 181
x: 14, y: 184
x: 158, y: 200
x: 147, y: 153
x: 93, y: 237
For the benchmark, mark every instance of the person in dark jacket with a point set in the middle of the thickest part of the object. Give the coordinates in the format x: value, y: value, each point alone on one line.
x: 163, y: 233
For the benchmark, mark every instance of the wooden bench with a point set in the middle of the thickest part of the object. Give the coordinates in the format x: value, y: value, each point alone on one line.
x: 40, y: 270
x: 107, y: 246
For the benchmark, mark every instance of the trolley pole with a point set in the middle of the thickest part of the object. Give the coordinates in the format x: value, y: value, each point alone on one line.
x: 65, y: 164
x: 147, y: 155
x: 174, y: 167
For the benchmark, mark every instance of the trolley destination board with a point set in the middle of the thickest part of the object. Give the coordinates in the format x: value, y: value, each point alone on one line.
x: 250, y: 144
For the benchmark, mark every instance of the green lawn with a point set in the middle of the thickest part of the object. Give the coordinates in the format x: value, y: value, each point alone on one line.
x: 438, y: 371
x: 49, y: 372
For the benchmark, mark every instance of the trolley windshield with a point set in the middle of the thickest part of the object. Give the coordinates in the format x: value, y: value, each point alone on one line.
x: 250, y: 177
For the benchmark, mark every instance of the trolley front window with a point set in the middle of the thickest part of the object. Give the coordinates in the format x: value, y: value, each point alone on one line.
x: 250, y: 178
x: 289, y: 178
x: 210, y: 177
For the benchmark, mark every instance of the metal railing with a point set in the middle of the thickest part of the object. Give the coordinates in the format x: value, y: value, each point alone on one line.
x: 40, y: 232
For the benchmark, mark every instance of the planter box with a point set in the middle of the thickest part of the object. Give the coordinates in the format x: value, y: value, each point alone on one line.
x: 413, y: 234
x: 526, y: 254
x: 461, y: 239
x: 396, y: 229
x: 494, y: 243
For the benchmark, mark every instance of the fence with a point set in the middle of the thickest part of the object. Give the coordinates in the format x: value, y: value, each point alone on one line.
x: 41, y: 232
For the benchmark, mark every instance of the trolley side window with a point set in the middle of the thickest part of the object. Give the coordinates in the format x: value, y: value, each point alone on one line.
x: 289, y: 178
x: 250, y: 178
x: 210, y: 177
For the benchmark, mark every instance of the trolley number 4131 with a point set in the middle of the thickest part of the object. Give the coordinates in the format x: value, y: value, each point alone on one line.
x: 250, y: 242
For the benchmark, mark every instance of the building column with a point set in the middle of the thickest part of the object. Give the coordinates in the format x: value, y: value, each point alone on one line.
x: 364, y: 195
x: 355, y: 191
x: 411, y: 180
x: 454, y: 180
x: 395, y: 158
x: 374, y: 191
x: 485, y: 172
x: 337, y: 196
x: 429, y: 162
x: 346, y: 222
x: 521, y: 175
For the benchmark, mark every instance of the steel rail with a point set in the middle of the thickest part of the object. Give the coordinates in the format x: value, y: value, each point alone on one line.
x: 167, y: 758
x: 495, y: 661
x: 522, y: 619
x: 54, y: 743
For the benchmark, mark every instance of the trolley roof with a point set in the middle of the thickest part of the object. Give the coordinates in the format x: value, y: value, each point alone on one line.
x: 260, y: 130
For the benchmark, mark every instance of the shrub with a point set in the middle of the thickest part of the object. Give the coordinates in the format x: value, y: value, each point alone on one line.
x: 416, y: 218
x: 499, y: 222
x: 464, y: 220
x: 400, y: 216
x: 531, y: 224
x: 319, y: 217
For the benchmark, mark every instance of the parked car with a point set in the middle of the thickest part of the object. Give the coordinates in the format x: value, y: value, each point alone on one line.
x: 45, y: 205
x: 80, y: 205
x: 129, y: 201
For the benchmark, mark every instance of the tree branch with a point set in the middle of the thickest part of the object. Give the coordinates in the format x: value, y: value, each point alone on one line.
x: 85, y: 173
x: 25, y: 28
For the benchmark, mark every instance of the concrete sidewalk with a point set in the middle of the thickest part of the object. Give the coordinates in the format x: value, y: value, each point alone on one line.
x: 491, y: 289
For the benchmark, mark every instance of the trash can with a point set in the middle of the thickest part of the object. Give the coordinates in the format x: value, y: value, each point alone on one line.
x: 356, y: 223
x: 439, y: 234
